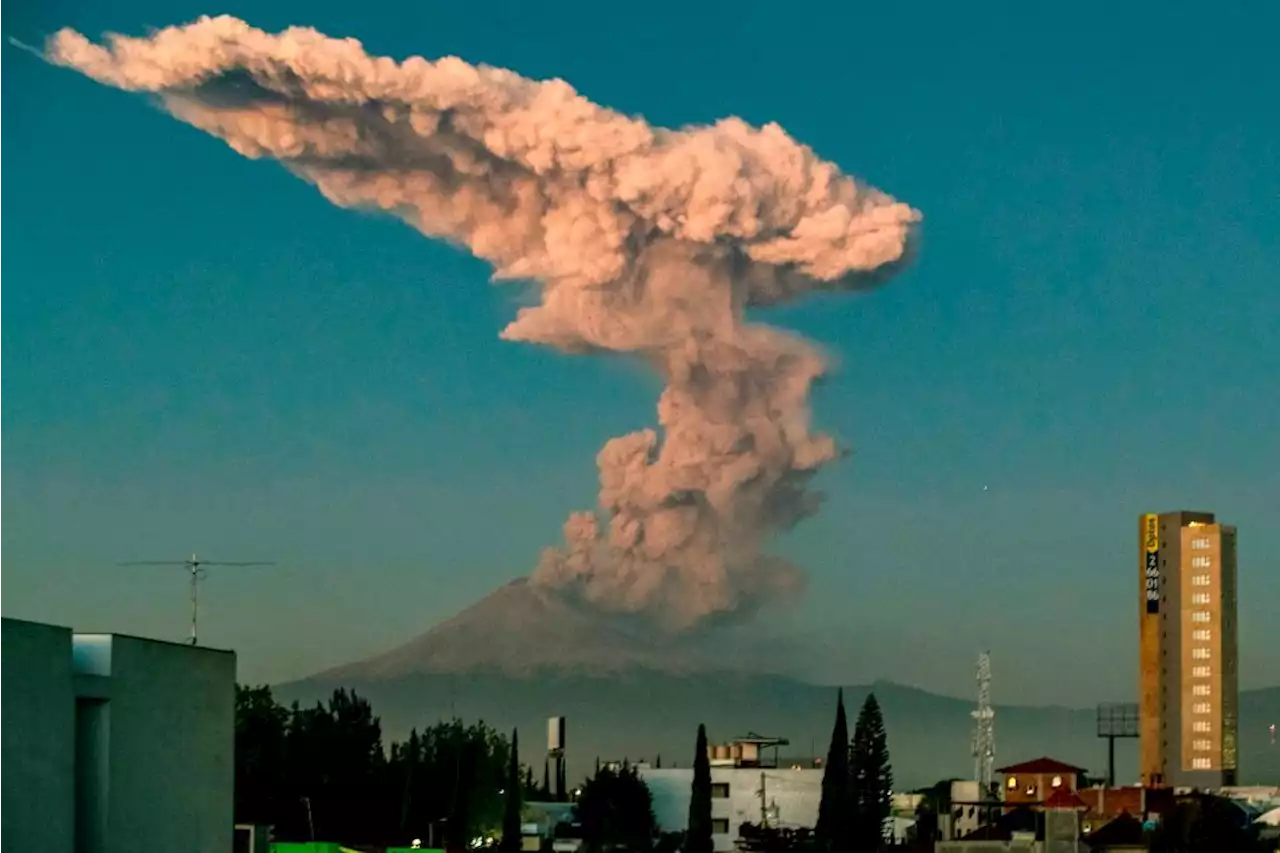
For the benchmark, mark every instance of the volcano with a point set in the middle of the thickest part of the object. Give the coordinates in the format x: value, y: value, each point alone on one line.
x: 525, y: 653
x: 523, y: 629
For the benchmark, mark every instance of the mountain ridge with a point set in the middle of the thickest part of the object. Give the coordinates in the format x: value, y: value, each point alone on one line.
x: 525, y: 653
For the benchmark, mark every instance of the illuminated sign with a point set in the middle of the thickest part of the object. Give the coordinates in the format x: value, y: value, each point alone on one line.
x: 1151, y: 550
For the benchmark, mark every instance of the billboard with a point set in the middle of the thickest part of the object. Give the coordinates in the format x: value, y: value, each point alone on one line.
x: 1151, y: 551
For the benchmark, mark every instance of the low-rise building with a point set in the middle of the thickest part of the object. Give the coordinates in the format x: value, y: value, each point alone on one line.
x: 748, y: 785
x: 1031, y: 783
x: 114, y: 744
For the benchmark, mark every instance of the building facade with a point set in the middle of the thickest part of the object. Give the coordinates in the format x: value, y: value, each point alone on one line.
x: 1187, y: 691
x: 1032, y: 783
x: 779, y: 796
x: 115, y: 744
x: 39, y: 738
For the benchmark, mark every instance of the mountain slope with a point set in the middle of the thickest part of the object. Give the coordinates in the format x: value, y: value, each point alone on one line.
x: 523, y: 654
x: 521, y: 629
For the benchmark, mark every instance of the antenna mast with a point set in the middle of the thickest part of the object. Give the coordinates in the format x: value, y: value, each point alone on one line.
x: 195, y: 567
x: 984, y: 728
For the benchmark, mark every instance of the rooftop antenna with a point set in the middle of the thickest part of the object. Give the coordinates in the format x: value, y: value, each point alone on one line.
x: 195, y: 566
x: 984, y: 728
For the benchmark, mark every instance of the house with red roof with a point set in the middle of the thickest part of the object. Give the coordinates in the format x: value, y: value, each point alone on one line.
x: 1032, y: 783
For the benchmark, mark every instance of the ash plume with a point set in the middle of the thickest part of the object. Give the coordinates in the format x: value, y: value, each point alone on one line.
x: 643, y: 240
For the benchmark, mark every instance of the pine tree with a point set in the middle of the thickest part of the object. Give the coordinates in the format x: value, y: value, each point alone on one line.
x: 511, y: 810
x: 546, y: 779
x: 698, y: 838
x: 834, y: 815
x: 871, y: 777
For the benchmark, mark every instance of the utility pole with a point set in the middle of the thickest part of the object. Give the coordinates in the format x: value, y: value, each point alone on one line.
x: 764, y: 803
x: 195, y: 567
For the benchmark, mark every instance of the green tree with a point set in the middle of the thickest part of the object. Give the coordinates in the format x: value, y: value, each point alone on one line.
x: 871, y: 778
x: 511, y: 809
x: 615, y: 811
x: 698, y: 836
x: 259, y: 754
x: 833, y: 829
x: 334, y: 767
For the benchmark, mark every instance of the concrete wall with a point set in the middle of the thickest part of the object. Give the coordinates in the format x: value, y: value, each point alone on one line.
x: 169, y: 730
x: 796, y: 794
x: 38, y: 737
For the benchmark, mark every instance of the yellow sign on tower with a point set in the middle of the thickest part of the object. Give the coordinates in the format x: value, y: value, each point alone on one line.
x: 1151, y: 545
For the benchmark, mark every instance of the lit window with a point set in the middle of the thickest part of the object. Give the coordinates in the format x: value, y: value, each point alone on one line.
x: 1031, y: 790
x: 1200, y: 562
x: 1200, y: 708
x: 1200, y: 598
x: 1199, y: 653
x: 1200, y: 616
x: 1200, y: 544
x: 1201, y: 672
x: 1199, y: 690
x: 1202, y: 745
x: 1202, y: 634
x: 1201, y: 727
x: 1201, y: 764
x: 1057, y: 782
x: 1012, y: 784
x: 1199, y: 580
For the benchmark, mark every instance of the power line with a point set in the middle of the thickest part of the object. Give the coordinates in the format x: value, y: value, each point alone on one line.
x: 195, y: 566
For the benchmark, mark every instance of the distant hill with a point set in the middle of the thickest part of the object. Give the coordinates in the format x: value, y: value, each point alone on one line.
x: 521, y: 655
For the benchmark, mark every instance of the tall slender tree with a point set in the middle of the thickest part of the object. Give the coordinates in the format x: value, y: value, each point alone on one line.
x: 511, y: 809
x: 871, y: 777
x: 834, y: 817
x: 698, y: 838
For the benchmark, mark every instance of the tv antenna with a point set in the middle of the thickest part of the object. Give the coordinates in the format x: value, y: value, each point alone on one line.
x: 195, y: 566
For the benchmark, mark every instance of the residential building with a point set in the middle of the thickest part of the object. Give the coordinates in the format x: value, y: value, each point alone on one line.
x: 1187, y: 681
x: 1031, y: 783
x: 747, y: 786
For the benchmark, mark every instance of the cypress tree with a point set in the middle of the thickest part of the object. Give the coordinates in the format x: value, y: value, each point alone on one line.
x: 872, y: 777
x: 511, y: 809
x: 546, y: 779
x: 834, y: 818
x: 698, y: 838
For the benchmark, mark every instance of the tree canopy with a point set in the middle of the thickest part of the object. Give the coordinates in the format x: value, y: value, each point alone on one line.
x: 834, y: 813
x: 324, y: 769
x: 871, y: 777
x: 698, y: 835
x: 615, y: 811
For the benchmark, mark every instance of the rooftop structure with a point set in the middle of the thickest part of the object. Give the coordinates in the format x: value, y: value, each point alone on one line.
x: 114, y: 744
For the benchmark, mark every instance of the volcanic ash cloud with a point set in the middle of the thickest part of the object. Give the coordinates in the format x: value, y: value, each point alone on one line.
x: 643, y: 240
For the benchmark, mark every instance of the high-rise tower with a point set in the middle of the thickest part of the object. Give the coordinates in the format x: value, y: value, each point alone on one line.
x: 1187, y: 686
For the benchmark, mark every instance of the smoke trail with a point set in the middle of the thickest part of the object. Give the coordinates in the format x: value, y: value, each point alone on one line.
x: 644, y: 240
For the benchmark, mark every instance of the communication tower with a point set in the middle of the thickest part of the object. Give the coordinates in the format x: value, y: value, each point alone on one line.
x: 984, y: 728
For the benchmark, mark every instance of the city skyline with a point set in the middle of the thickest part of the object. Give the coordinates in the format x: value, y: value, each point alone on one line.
x: 1084, y: 337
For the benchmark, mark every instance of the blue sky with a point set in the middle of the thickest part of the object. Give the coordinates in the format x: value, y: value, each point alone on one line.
x: 202, y: 354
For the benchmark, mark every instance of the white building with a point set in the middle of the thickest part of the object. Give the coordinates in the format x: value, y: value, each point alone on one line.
x: 747, y: 786
x: 115, y: 744
x: 790, y: 798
